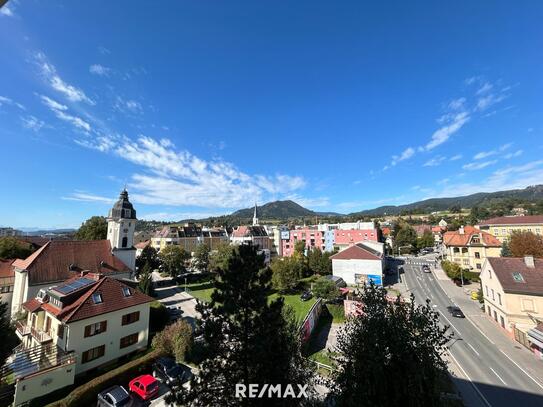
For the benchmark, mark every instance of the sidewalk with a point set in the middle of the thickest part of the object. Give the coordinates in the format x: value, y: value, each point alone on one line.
x: 513, y: 350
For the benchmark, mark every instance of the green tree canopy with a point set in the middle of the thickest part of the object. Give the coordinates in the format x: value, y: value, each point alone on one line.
x: 406, y: 236
x: 201, y: 257
x: 506, y: 252
x: 175, y: 340
x: 94, y: 228
x: 426, y: 240
x: 149, y: 256
x: 219, y: 259
x: 246, y: 338
x: 391, y: 355
x: 8, y: 338
x: 172, y: 260
x: 325, y: 289
x: 12, y: 248
x: 285, y: 273
x: 145, y: 283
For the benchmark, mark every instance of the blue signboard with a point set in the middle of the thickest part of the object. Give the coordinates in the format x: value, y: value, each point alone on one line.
x: 376, y: 278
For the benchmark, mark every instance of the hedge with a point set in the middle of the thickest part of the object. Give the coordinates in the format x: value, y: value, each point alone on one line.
x: 85, y: 395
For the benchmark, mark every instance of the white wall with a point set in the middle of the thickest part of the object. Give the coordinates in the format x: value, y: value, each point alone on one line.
x: 110, y: 338
x: 346, y: 269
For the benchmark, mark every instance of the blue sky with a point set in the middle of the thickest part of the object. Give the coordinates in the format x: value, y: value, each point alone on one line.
x: 201, y: 108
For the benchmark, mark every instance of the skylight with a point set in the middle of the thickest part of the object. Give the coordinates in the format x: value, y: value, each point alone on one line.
x: 518, y: 277
x: 97, y: 298
x: 127, y: 292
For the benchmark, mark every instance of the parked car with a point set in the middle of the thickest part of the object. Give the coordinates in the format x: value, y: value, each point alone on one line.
x: 340, y: 283
x: 306, y: 296
x: 426, y: 268
x: 170, y: 372
x: 115, y: 396
x: 455, y: 312
x: 145, y: 386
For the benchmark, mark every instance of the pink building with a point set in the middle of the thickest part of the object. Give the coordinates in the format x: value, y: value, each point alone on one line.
x: 310, y: 236
x: 344, y: 238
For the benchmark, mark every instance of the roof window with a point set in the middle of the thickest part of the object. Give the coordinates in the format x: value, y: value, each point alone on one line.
x: 97, y: 298
x: 127, y: 292
x: 518, y: 277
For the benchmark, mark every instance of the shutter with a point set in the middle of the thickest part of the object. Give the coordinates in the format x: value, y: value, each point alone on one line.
x: 87, y: 331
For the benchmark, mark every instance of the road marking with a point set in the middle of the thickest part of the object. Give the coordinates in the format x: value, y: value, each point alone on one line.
x: 479, y: 329
x: 473, y: 349
x: 450, y: 323
x: 524, y: 371
x: 473, y: 384
x: 497, y: 375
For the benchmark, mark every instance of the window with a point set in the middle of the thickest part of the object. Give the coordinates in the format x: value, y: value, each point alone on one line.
x: 502, y: 322
x: 486, y: 287
x: 503, y: 232
x: 496, y: 232
x: 518, y: 277
x: 95, y: 329
x: 456, y: 250
x: 499, y: 298
x: 97, y: 298
x: 465, y: 262
x: 93, y: 354
x: 131, y: 318
x: 127, y: 292
x: 477, y: 255
x: 490, y: 274
x: 492, y: 294
x: 478, y: 265
x: 129, y: 340
x: 60, y: 331
x: 125, y: 242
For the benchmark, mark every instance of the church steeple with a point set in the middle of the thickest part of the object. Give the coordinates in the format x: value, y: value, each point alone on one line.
x: 255, y: 216
x: 121, y: 227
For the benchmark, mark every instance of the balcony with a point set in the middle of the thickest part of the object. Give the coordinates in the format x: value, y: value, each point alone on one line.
x: 40, y: 336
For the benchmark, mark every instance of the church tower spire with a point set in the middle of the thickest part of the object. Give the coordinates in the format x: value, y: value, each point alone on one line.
x: 255, y: 216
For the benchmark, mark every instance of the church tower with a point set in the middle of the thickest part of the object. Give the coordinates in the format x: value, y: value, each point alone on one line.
x: 255, y: 217
x: 121, y: 225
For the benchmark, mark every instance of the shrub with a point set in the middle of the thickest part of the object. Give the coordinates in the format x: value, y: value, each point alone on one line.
x: 326, y: 289
x: 158, y: 317
x: 175, y: 340
x: 85, y: 395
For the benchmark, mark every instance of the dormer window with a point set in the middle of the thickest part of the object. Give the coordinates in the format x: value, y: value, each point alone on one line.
x: 518, y: 277
x: 127, y: 292
x: 97, y: 298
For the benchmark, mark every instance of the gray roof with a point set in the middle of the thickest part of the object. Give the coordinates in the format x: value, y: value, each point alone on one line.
x: 122, y: 209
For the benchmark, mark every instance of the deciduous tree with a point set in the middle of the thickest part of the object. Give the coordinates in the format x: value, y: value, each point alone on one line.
x: 524, y: 243
x: 325, y: 288
x: 285, y: 273
x: 172, y: 260
x: 391, y: 355
x: 145, y: 283
x: 12, y: 248
x: 149, y: 255
x: 175, y: 340
x: 201, y: 257
x: 218, y: 259
x: 8, y: 338
x: 94, y: 228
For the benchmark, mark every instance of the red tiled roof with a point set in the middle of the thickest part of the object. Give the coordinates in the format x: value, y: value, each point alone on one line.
x: 386, y: 231
x: 437, y: 229
x: 514, y: 220
x: 457, y: 239
x: 6, y: 268
x: 357, y: 252
x: 420, y: 229
x: 504, y: 267
x: 32, y: 305
x: 52, y: 262
x: 112, y: 300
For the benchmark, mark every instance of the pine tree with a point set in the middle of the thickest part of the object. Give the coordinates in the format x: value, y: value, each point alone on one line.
x: 145, y: 284
x: 246, y: 339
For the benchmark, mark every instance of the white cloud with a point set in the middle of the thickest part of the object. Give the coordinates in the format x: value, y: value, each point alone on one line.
x: 456, y: 157
x: 7, y: 9
x: 505, y: 146
x: 434, y: 162
x: 169, y: 176
x: 406, y: 154
x: 127, y: 106
x: 484, y: 154
x: 478, y: 166
x: 99, y: 70
x: 50, y: 74
x: 457, y: 104
x: 491, y: 99
x: 487, y: 87
x: 103, y: 50
x: 517, y: 153
x: 60, y: 112
x: 4, y: 100
x: 177, y: 216
x: 442, y: 134
x: 32, y: 123
x: 86, y: 197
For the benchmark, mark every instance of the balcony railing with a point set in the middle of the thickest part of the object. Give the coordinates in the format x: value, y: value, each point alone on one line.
x: 23, y: 329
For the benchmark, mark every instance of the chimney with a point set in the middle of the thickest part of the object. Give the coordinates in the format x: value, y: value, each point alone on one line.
x: 529, y: 261
x: 461, y: 230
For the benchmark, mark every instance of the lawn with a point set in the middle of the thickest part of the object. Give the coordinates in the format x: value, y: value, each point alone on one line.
x: 202, y: 290
x: 337, y: 311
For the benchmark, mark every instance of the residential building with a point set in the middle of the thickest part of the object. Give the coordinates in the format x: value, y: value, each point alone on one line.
x: 513, y: 297
x: 90, y: 317
x: 346, y: 237
x: 502, y: 227
x: 6, y: 232
x: 469, y: 247
x: 438, y: 231
x: 443, y: 223
x: 143, y: 236
x: 277, y: 234
x: 310, y: 236
x: 188, y: 237
x: 140, y: 246
x: 255, y: 235
x: 360, y: 263
x: 59, y: 260
x: 213, y: 237
x: 7, y: 280
x: 420, y: 229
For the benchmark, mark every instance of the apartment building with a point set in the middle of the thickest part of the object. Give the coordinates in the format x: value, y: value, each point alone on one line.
x: 310, y: 236
x: 502, y: 227
x: 513, y: 297
x: 254, y: 235
x: 344, y: 238
x: 469, y: 247
x: 188, y: 237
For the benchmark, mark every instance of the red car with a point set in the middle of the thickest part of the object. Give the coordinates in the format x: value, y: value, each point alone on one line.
x: 145, y: 386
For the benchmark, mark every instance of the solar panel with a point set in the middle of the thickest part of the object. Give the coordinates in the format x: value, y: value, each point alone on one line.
x: 74, y: 285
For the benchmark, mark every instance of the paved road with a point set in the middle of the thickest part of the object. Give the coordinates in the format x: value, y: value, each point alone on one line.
x: 494, y: 379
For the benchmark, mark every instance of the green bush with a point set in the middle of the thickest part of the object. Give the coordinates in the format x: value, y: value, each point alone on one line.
x: 158, y: 317
x: 85, y: 395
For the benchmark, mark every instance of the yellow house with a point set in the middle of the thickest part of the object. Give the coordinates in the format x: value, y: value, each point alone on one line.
x: 513, y: 297
x: 469, y: 247
x: 502, y: 227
